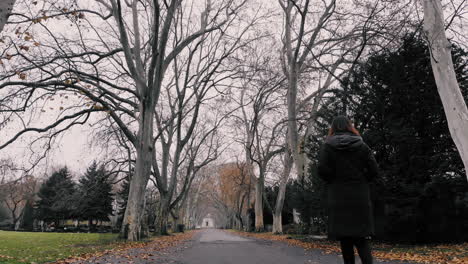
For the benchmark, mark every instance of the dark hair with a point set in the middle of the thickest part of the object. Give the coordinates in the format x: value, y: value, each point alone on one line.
x: 342, y: 124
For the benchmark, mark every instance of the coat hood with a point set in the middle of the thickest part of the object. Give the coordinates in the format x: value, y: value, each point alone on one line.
x: 344, y: 141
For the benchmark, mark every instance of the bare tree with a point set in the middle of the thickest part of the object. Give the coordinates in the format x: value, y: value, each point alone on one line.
x: 321, y: 43
x: 15, y: 194
x: 455, y: 107
x: 202, y: 149
x: 202, y: 74
x: 122, y: 78
x: 287, y: 163
x: 262, y: 121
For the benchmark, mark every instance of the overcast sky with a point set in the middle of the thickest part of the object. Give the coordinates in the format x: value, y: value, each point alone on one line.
x: 73, y: 148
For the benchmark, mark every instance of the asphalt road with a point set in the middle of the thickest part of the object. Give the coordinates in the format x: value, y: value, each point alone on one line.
x: 212, y: 246
x: 219, y: 247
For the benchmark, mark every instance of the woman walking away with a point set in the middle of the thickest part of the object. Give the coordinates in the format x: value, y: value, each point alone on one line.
x: 347, y: 165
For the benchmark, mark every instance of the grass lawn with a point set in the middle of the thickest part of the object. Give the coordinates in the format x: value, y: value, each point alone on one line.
x: 29, y: 247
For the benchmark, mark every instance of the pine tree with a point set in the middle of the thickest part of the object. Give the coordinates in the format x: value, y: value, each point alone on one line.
x: 95, y: 195
x: 123, y: 198
x: 28, y: 216
x: 393, y: 100
x: 56, y: 197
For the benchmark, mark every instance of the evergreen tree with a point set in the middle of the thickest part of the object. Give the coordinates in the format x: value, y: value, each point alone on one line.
x: 122, y: 196
x: 394, y: 102
x: 3, y: 213
x: 95, y: 195
x: 28, y: 216
x: 56, y: 195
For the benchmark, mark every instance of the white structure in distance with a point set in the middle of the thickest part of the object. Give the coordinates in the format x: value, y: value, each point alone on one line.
x: 207, y: 222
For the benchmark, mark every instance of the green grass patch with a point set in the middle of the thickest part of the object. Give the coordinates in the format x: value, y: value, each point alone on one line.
x: 29, y: 247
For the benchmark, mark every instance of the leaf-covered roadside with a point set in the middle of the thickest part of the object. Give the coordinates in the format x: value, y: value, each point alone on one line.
x: 125, y: 251
x: 436, y: 254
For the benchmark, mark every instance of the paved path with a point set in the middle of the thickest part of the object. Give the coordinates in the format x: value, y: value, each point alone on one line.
x: 212, y: 246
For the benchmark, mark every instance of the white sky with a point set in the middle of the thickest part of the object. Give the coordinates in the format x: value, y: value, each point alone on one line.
x: 73, y: 149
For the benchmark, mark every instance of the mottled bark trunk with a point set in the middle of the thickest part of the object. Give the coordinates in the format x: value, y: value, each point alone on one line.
x: 277, y: 223
x: 6, y: 6
x: 145, y: 232
x: 259, y: 187
x: 187, y: 214
x: 177, y: 220
x: 293, y: 133
x: 163, y: 217
x: 16, y: 224
x: 277, y: 214
x: 292, y: 73
x: 442, y: 66
x: 131, y: 226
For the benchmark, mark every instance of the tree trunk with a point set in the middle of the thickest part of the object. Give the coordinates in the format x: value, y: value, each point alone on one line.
x: 162, y: 218
x: 16, y: 223
x: 131, y: 226
x: 177, y: 220
x: 145, y: 232
x: 277, y: 223
x: 292, y: 74
x: 259, y: 187
x: 442, y: 66
x: 187, y: 214
x: 293, y: 133
x: 6, y: 6
x: 277, y: 214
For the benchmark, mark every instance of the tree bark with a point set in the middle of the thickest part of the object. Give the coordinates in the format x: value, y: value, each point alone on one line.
x: 277, y: 214
x: 277, y: 223
x: 6, y: 6
x: 442, y: 66
x: 131, y: 226
x: 162, y: 217
x: 293, y: 132
x: 259, y: 187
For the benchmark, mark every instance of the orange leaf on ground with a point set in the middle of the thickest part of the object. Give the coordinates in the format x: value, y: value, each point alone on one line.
x: 121, y: 249
x: 443, y: 254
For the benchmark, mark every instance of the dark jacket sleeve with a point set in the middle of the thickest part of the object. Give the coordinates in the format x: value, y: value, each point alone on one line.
x: 372, y: 167
x: 325, y: 170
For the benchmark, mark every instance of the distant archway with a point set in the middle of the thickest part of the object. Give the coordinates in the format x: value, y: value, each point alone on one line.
x: 207, y: 222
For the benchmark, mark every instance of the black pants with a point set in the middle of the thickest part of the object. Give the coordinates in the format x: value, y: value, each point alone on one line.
x: 363, y: 248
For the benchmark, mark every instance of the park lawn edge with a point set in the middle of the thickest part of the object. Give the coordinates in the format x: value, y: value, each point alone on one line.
x: 90, y: 248
x: 161, y: 241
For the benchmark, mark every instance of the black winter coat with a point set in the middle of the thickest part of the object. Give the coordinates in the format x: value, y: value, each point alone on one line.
x: 347, y: 165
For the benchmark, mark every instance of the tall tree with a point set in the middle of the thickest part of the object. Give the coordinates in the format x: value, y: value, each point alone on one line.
x: 318, y: 50
x: 118, y: 75
x: 455, y: 107
x: 287, y: 162
x: 94, y: 195
x: 260, y: 118
x: 396, y: 107
x: 17, y: 194
x: 236, y: 184
x: 56, y: 197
